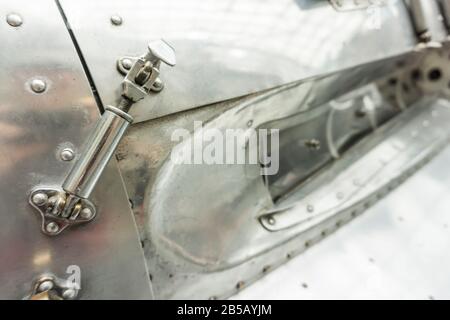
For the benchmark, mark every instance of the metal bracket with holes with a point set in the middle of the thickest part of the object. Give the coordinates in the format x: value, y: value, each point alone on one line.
x: 50, y: 287
x: 50, y: 201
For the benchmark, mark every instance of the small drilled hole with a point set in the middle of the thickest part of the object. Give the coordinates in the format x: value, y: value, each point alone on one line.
x: 435, y: 74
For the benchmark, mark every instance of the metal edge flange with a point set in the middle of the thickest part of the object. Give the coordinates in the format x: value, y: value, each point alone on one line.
x: 50, y: 201
x: 350, y: 5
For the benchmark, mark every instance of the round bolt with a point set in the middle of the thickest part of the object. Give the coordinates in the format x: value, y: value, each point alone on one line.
x: 39, y: 199
x: 271, y: 221
x: 116, y: 20
x: 38, y: 85
x: 158, y: 85
x: 69, y: 294
x: 126, y: 63
x: 52, y: 227
x: 67, y: 154
x: 45, y: 285
x: 249, y: 123
x: 14, y: 20
x: 86, y: 213
x: 310, y: 208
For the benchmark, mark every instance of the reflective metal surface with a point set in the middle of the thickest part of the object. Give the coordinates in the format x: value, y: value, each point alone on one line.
x: 185, y: 280
x: 99, y: 149
x: 396, y: 250
x: 232, y: 48
x: 35, y: 128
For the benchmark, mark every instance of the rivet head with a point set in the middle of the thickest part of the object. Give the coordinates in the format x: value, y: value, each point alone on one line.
x: 52, y: 227
x: 271, y: 221
x: 14, y: 20
x: 67, y: 154
x: 158, y: 85
x: 126, y: 63
x: 240, y: 285
x: 310, y: 208
x: 38, y: 85
x: 69, y: 294
x: 86, y: 213
x: 39, y: 199
x: 116, y: 20
x: 45, y: 285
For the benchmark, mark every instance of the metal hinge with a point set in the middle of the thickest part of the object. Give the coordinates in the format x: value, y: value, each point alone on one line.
x: 68, y: 205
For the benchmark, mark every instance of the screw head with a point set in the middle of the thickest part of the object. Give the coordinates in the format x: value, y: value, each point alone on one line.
x: 38, y: 85
x: 39, y: 199
x: 86, y: 213
x: 126, y: 63
x: 69, y: 294
x: 67, y: 154
x: 14, y: 20
x: 116, y: 20
x: 45, y: 285
x: 52, y: 227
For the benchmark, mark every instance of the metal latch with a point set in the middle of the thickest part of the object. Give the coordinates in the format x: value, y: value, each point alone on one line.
x: 70, y: 204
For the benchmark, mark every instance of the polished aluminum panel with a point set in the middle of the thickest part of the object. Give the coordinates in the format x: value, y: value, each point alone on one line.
x: 180, y: 271
x: 232, y: 48
x: 397, y: 250
x: 35, y: 128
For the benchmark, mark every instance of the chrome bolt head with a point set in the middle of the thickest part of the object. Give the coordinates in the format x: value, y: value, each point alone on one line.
x: 52, y: 227
x: 39, y: 199
x: 45, y: 285
x: 38, y: 85
x: 116, y: 20
x: 14, y: 20
x: 86, y: 213
x: 67, y: 154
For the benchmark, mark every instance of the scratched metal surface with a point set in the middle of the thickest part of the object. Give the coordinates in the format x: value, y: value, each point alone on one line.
x: 397, y: 250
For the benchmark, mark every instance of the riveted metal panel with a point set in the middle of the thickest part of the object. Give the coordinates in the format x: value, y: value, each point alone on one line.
x: 231, y: 48
x: 35, y: 127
